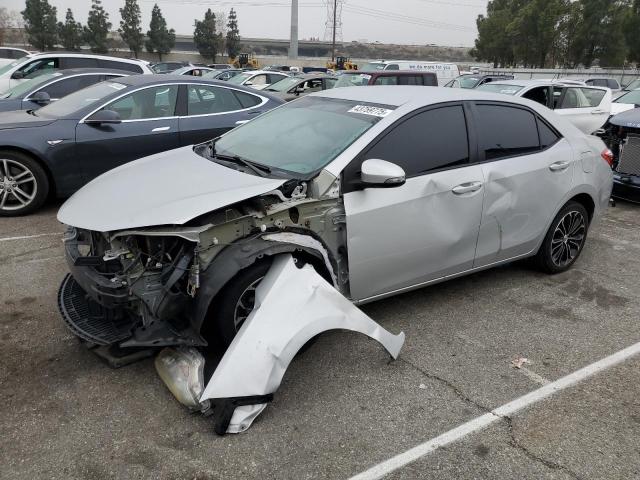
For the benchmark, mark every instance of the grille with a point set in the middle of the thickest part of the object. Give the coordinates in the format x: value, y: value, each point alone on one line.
x: 630, y: 156
x: 87, y: 319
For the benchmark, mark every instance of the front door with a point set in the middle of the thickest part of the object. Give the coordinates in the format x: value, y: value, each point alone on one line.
x: 149, y: 125
x: 528, y: 169
x: 426, y: 229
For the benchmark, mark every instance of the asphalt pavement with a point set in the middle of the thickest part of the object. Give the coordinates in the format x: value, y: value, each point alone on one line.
x: 344, y: 406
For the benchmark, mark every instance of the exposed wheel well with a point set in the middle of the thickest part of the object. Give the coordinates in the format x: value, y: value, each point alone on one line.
x: 587, y: 202
x: 52, y: 185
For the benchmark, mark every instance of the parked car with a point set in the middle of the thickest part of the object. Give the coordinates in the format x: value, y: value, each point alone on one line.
x: 37, y: 92
x: 622, y: 136
x: 358, y: 79
x: 625, y: 102
x: 382, y: 190
x: 9, y: 55
x: 586, y: 107
x: 444, y: 71
x: 36, y: 64
x: 258, y: 79
x: 194, y: 71
x: 473, y: 81
x: 220, y: 66
x: 64, y: 145
x: 168, y: 67
x: 606, y: 82
x: 633, y: 85
x: 294, y: 87
x: 223, y: 75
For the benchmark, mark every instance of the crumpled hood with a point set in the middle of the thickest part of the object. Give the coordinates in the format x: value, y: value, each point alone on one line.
x: 21, y: 119
x: 172, y: 187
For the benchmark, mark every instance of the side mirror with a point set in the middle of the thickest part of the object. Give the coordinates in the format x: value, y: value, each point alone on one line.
x: 41, y: 98
x: 102, y: 117
x: 17, y: 75
x: 381, y: 174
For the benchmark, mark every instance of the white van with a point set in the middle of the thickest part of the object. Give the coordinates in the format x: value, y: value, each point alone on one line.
x: 444, y: 71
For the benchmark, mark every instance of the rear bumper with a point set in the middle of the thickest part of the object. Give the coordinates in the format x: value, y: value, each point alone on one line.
x: 626, y: 187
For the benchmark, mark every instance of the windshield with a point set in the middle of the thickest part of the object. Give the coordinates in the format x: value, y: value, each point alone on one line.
x: 284, y: 84
x: 28, y: 85
x: 80, y: 99
x: 633, y: 85
x: 352, y: 80
x: 373, y: 67
x: 632, y: 97
x: 466, y: 81
x: 303, y: 136
x: 506, y: 88
x: 6, y: 68
x: 239, y: 79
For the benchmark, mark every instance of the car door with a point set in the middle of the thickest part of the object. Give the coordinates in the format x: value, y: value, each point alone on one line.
x: 588, y: 108
x: 213, y: 110
x: 427, y: 228
x: 149, y: 125
x: 528, y: 169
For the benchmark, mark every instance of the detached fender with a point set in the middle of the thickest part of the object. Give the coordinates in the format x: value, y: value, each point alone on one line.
x: 244, y: 253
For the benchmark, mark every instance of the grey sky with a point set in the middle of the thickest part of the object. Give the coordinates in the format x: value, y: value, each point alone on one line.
x: 441, y: 22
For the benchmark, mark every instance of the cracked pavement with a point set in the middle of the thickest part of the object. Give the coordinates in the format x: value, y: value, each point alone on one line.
x: 343, y: 406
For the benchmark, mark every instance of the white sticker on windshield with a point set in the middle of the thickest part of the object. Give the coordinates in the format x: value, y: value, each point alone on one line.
x: 368, y: 110
x: 365, y: 76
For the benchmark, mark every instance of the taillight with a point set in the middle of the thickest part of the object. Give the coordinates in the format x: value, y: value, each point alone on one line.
x: 607, y: 156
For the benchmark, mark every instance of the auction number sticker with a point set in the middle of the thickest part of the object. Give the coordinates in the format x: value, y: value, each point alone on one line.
x: 368, y: 110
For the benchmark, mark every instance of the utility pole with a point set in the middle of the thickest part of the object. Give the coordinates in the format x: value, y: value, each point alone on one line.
x: 333, y: 43
x: 293, y: 40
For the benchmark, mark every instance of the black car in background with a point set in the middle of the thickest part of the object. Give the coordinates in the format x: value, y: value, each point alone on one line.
x: 43, y: 89
x: 64, y: 145
x: 621, y: 133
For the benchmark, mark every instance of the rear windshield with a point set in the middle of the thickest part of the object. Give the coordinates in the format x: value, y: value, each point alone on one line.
x: 507, y: 89
x: 632, y: 97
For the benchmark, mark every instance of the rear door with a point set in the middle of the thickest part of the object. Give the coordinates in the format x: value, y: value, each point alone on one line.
x: 528, y: 169
x: 427, y: 228
x: 149, y: 125
x: 213, y: 110
x: 588, y: 108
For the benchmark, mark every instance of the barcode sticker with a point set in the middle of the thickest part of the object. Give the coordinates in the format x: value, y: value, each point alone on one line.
x: 368, y: 110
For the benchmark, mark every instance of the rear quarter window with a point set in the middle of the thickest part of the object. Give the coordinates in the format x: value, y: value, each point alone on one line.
x: 114, y: 64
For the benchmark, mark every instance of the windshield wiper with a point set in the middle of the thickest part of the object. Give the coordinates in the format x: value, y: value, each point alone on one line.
x: 261, y: 170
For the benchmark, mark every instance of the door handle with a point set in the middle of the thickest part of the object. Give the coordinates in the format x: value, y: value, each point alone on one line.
x: 160, y: 129
x: 559, y: 166
x: 241, y: 122
x: 467, y: 188
x: 598, y: 112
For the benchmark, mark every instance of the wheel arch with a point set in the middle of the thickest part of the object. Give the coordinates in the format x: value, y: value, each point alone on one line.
x: 34, y: 156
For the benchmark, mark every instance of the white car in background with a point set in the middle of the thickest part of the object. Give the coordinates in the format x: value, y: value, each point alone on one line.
x: 258, y: 79
x: 9, y: 55
x: 588, y: 108
x: 627, y: 101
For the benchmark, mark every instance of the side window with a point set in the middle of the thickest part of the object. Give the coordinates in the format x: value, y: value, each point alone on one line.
x: 576, y: 97
x: 594, y: 97
x: 427, y: 141
x: 78, y: 62
x: 613, y: 84
x: 330, y: 83
x: 386, y: 80
x: 393, y: 66
x: 275, y: 78
x: 506, y: 131
x: 153, y: 102
x: 598, y: 82
x: 203, y: 100
x: 246, y: 99
x: 4, y: 53
x: 259, y: 80
x: 39, y: 66
x: 431, y: 80
x: 127, y: 67
x: 410, y: 80
x: 539, y: 94
x: 313, y: 85
x: 547, y: 136
x: 66, y: 86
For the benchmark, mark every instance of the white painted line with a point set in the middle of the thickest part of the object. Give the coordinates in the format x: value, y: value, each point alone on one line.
x: 27, y: 237
x: 481, y: 422
x: 534, y: 376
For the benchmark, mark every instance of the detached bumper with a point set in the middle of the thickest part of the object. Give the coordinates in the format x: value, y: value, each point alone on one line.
x: 626, y: 187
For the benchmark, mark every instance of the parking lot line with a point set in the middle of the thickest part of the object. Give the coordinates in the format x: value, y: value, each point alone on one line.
x: 27, y: 237
x: 479, y: 423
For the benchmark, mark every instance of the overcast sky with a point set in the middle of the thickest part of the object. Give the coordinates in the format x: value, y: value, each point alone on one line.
x: 441, y: 22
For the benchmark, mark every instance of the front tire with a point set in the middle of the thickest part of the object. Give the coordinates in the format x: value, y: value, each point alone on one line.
x: 24, y: 185
x: 564, y: 240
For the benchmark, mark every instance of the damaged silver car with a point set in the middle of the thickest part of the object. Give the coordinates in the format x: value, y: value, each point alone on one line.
x: 380, y: 190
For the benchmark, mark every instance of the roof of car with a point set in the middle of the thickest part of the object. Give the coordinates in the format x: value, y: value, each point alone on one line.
x: 386, y: 73
x: 77, y: 71
x: 84, y: 55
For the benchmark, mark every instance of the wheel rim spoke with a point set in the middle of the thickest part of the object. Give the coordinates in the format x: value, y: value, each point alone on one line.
x: 568, y: 238
x: 18, y: 185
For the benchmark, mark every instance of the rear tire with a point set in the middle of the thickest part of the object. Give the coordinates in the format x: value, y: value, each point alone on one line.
x: 24, y: 185
x: 564, y: 240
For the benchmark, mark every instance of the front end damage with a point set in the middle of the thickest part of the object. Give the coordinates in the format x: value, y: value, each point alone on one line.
x: 622, y: 135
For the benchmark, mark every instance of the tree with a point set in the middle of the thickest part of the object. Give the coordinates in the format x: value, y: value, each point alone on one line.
x: 6, y: 22
x: 97, y: 30
x: 632, y: 31
x: 40, y: 24
x: 70, y: 32
x: 205, y: 37
x: 130, y: 26
x: 160, y: 40
x: 233, y: 36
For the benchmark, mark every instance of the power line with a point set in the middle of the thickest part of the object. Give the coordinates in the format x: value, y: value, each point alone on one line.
x: 412, y: 20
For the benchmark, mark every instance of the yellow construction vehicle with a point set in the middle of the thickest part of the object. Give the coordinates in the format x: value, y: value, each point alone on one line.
x: 342, y: 63
x: 246, y: 60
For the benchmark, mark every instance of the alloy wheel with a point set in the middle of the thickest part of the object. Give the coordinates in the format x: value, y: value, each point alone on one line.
x: 18, y: 185
x: 568, y: 238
